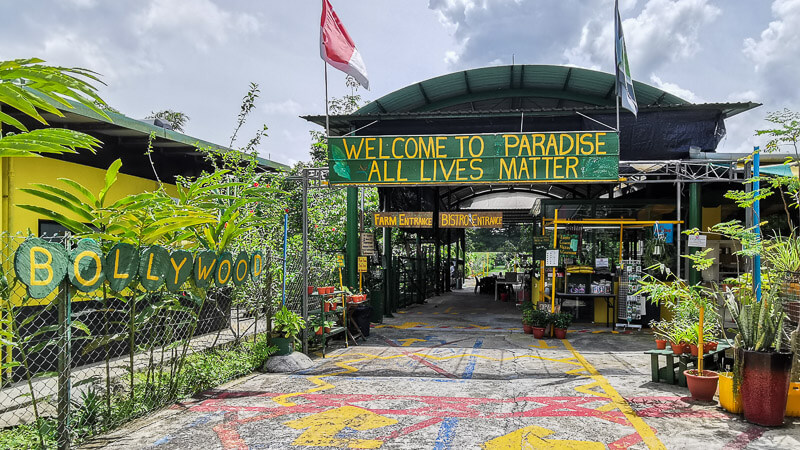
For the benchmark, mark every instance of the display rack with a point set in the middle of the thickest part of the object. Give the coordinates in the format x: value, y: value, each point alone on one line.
x: 631, y: 307
x: 340, y: 312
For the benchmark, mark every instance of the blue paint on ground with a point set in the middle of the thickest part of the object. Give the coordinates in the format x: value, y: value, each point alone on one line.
x: 472, y: 360
x: 202, y: 420
x: 447, y: 432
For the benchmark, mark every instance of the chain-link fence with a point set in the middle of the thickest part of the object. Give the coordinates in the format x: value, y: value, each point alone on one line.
x: 74, y: 365
x: 789, y: 295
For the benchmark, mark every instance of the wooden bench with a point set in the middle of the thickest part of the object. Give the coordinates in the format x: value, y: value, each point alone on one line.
x: 673, y: 373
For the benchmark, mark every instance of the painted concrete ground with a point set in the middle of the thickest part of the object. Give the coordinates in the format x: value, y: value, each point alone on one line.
x: 457, y: 373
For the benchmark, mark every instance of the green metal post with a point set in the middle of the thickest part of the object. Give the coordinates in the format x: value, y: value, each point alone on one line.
x: 64, y: 366
x: 351, y: 235
x: 420, y: 277
x: 387, y: 274
x: 695, y: 221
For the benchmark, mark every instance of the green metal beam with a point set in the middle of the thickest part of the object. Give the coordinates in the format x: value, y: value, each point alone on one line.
x: 351, y: 236
x: 491, y: 95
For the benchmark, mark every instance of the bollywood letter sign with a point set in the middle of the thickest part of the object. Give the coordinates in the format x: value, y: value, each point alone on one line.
x: 41, y: 266
x: 478, y: 158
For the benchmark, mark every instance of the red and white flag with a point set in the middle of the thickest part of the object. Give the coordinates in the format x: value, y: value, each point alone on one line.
x: 337, y: 48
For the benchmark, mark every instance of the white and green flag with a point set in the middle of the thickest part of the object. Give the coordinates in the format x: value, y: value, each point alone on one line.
x: 623, y: 73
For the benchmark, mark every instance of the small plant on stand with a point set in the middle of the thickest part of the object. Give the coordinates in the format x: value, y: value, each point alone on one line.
x: 286, y: 325
x: 318, y: 325
x: 561, y: 321
x: 659, y: 328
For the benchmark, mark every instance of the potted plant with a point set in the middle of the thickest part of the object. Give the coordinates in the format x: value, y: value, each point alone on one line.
x: 761, y: 368
x: 285, y: 326
x: 561, y: 321
x: 539, y: 320
x: 319, y: 325
x: 658, y: 328
x: 331, y: 304
x: 527, y: 317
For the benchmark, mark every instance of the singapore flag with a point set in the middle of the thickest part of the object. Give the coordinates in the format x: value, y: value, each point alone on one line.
x: 337, y: 48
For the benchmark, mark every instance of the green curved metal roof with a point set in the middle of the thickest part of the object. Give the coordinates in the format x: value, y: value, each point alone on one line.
x: 513, y: 87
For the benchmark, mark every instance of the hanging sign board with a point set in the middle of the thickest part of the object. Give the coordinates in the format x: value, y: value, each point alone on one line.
x: 340, y: 261
x: 697, y: 240
x: 540, y: 246
x: 367, y: 244
x: 403, y: 219
x: 362, y: 264
x: 474, y: 158
x: 663, y: 231
x: 471, y: 220
x: 568, y: 245
x: 601, y: 263
x: 551, y: 258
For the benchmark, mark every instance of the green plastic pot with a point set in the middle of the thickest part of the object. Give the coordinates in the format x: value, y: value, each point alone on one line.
x: 285, y: 345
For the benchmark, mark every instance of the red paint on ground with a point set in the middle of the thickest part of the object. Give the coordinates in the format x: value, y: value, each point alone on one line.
x: 745, y: 438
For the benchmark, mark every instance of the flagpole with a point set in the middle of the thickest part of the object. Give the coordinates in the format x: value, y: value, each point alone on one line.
x: 327, y: 117
x: 617, y: 113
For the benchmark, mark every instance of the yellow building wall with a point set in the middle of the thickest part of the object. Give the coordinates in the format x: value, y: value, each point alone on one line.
x: 22, y: 172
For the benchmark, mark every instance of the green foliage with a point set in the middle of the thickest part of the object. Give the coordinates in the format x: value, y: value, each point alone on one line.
x: 31, y: 87
x: 26, y: 437
x: 527, y: 316
x: 760, y: 324
x: 561, y: 320
x: 539, y: 318
x: 287, y: 323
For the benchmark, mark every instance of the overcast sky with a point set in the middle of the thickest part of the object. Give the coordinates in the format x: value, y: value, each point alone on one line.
x: 198, y: 56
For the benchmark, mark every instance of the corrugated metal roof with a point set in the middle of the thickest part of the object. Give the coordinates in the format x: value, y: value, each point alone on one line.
x: 464, y: 90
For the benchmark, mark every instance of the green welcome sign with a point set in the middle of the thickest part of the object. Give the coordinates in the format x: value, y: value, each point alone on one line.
x: 478, y: 158
x: 41, y: 266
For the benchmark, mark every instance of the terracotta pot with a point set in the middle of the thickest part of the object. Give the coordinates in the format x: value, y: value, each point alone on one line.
x: 693, y: 349
x: 686, y: 347
x: 326, y: 306
x: 538, y: 333
x: 702, y: 387
x: 661, y: 344
x: 677, y: 349
x: 327, y: 329
x: 708, y: 347
x: 560, y: 333
x: 310, y: 290
x: 713, y: 345
x: 527, y: 328
x: 765, y: 386
x: 319, y: 331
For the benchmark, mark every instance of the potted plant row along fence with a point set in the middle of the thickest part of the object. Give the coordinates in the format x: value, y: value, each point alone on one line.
x: 535, y: 321
x: 285, y: 326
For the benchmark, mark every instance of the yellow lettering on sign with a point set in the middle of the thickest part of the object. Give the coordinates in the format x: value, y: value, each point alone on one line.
x: 177, y: 267
x: 375, y: 170
x: 588, y: 143
x: 460, y: 140
x: 552, y: 144
x: 47, y: 265
x: 219, y: 271
x: 524, y: 145
x: 322, y: 428
x: 238, y: 271
x: 368, y: 147
x: 523, y: 167
x: 386, y: 172
x: 556, y: 167
x: 422, y: 170
x: 533, y: 164
x: 572, y: 163
x: 460, y: 168
x: 479, y: 153
x: 440, y: 140
x: 257, y: 265
x: 380, y: 149
x: 149, y: 275
x: 507, y: 138
x: 532, y: 437
x: 204, y: 272
x: 566, y: 150
x: 478, y: 168
x: 510, y: 169
x: 394, y: 143
x: 537, y: 141
x: 351, y: 151
x: 117, y: 275
x: 411, y: 155
x: 76, y: 267
x: 399, y: 168
x: 598, y: 144
x: 429, y: 149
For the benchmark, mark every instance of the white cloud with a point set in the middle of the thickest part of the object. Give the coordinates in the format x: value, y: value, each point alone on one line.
x: 776, y: 53
x: 665, y: 32
x: 200, y: 22
x: 286, y: 107
x: 674, y: 89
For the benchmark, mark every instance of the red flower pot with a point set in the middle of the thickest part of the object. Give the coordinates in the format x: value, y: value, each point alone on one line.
x: 327, y: 329
x: 712, y: 345
x: 687, y: 348
x: 319, y: 331
x: 560, y: 333
x: 765, y: 386
x: 693, y: 349
x: 677, y: 349
x: 326, y: 306
x: 310, y: 290
x: 527, y: 328
x: 703, y: 387
x: 708, y: 347
x: 538, y: 333
x: 661, y: 344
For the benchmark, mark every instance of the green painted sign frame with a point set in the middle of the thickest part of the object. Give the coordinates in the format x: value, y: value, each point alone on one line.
x: 505, y: 158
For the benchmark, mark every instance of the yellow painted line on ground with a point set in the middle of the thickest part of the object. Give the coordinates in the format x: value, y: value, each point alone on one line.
x: 542, y: 345
x: 648, y: 435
